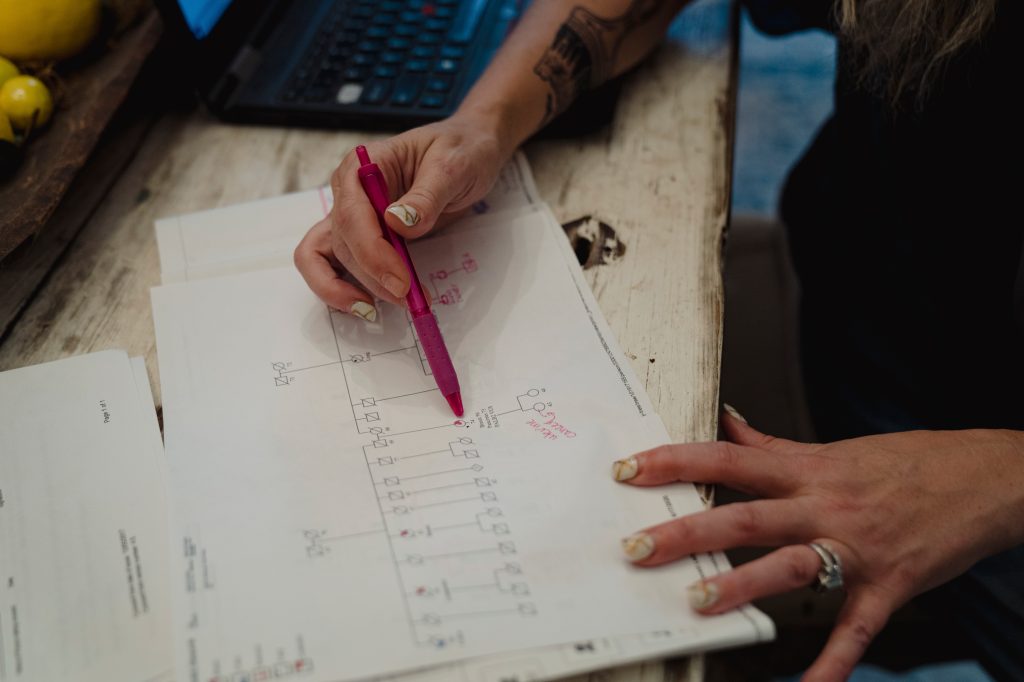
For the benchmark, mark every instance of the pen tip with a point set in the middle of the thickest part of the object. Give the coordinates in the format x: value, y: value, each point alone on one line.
x: 455, y: 401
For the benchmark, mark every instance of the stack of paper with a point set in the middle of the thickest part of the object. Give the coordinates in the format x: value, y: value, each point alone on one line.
x: 83, y: 524
x: 332, y: 521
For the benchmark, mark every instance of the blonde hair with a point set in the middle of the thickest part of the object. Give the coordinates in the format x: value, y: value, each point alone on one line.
x: 902, y: 47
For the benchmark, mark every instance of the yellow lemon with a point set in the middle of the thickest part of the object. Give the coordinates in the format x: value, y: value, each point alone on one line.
x: 47, y: 29
x: 26, y: 101
x: 7, y: 70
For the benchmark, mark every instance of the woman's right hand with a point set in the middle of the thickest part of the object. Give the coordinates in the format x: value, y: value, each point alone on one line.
x: 433, y: 173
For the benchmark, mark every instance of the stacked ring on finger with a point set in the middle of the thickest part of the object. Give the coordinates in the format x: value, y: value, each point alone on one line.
x: 830, y: 576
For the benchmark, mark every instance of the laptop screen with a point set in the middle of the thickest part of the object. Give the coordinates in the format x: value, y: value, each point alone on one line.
x: 202, y: 15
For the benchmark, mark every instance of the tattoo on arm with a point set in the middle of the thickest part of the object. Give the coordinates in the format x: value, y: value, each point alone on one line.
x: 584, y: 52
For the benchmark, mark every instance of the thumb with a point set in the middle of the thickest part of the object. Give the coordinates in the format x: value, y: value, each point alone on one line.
x: 735, y: 429
x: 416, y: 212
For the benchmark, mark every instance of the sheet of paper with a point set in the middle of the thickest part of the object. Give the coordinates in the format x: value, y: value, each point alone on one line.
x: 317, y: 476
x: 264, y: 233
x: 84, y: 591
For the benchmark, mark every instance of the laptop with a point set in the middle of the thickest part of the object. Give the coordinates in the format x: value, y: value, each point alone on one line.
x: 390, y: 64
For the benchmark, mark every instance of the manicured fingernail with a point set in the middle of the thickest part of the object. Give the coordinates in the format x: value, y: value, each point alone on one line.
x: 702, y: 594
x: 364, y: 310
x: 393, y: 284
x: 624, y: 469
x: 407, y: 214
x: 732, y: 411
x: 638, y: 547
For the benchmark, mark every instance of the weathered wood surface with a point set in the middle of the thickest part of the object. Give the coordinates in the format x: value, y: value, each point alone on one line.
x: 659, y: 176
x: 90, y: 97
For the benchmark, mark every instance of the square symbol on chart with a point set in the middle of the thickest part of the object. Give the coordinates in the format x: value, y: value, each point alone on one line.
x: 396, y: 495
x: 380, y: 443
x: 489, y: 497
x: 471, y: 454
x: 507, y: 547
x: 368, y: 402
x: 500, y: 528
x: 373, y: 416
x: 385, y: 460
x: 391, y: 480
x: 482, y: 482
x: 520, y: 588
x: 280, y: 381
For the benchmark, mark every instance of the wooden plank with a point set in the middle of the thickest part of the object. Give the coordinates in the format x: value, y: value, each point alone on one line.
x: 91, y: 96
x: 23, y: 270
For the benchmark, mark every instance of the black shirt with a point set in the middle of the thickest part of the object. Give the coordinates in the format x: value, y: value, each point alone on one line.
x: 907, y: 243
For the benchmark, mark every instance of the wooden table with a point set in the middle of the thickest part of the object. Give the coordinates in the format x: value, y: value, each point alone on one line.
x: 659, y: 175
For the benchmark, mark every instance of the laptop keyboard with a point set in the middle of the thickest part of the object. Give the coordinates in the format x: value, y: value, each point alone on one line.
x: 402, y: 53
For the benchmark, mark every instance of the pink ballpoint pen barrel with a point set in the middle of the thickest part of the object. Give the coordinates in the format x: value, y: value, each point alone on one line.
x: 422, y: 317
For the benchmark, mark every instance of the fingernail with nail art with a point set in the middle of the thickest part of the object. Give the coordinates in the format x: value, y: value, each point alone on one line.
x: 732, y: 411
x: 364, y: 310
x: 638, y: 547
x: 407, y: 214
x: 702, y: 594
x: 624, y: 469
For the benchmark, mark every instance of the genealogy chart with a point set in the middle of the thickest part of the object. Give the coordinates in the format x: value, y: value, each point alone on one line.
x: 335, y: 521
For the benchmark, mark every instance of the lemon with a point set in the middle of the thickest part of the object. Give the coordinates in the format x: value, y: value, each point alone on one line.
x: 26, y: 101
x: 47, y: 29
x: 7, y: 70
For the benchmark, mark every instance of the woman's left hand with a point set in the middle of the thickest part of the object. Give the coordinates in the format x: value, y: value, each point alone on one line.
x: 904, y: 512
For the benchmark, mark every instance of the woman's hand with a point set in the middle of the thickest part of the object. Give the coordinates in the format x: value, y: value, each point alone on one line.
x: 436, y: 172
x: 904, y: 512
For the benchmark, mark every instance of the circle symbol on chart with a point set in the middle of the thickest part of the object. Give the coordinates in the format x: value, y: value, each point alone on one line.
x: 466, y: 441
x: 533, y: 393
x: 477, y: 467
x: 459, y: 422
x: 278, y: 366
x: 539, y: 407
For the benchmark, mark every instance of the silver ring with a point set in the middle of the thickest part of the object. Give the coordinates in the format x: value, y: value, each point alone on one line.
x: 830, y: 577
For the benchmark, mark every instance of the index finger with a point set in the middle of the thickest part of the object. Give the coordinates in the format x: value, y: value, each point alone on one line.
x: 355, y: 224
x: 743, y: 468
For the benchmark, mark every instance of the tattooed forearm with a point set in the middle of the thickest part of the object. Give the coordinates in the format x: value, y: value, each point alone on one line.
x: 584, y: 52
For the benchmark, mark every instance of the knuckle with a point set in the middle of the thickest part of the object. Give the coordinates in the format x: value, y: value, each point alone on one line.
x: 859, y: 631
x: 748, y: 520
x: 797, y: 571
x: 726, y: 455
x: 662, y: 457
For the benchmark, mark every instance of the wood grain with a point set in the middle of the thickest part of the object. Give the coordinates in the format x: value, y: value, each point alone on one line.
x: 659, y: 175
x: 91, y: 95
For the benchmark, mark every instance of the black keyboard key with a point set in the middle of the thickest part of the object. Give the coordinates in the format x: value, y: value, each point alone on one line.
x: 315, y: 94
x: 355, y: 73
x: 363, y: 59
x: 439, y: 84
x: 384, y: 19
x: 417, y: 66
x: 447, y: 66
x: 392, y: 6
x: 409, y: 17
x: 422, y: 52
x: 444, y: 12
x: 385, y: 72
x: 429, y: 39
x: 369, y: 46
x: 378, y: 32
x: 376, y: 91
x: 392, y: 57
x: 432, y: 100
x: 452, y: 52
x: 407, y: 89
x: 406, y: 31
x: 399, y: 44
x: 436, y: 25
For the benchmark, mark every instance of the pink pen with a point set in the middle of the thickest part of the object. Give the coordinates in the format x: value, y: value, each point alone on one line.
x: 422, y: 317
